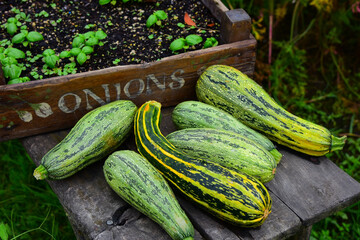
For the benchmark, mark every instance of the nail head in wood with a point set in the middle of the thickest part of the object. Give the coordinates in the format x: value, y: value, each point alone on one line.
x: 235, y: 26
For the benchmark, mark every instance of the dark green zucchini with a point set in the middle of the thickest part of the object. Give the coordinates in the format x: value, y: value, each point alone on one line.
x: 95, y: 135
x: 231, y: 196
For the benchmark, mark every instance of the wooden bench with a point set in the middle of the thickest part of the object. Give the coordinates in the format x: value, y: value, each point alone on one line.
x: 304, y: 191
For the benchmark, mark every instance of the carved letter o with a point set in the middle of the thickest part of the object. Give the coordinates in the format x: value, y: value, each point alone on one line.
x: 62, y: 104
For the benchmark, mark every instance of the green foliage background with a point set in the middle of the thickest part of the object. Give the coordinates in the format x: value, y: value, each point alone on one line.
x: 310, y: 65
x: 308, y: 60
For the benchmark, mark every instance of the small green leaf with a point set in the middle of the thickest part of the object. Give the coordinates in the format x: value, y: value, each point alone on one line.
x: 12, y: 20
x: 92, y: 41
x: 181, y: 25
x: 193, y: 39
x: 11, y: 28
x: 75, y: 51
x: 65, y: 54
x: 34, y: 36
x: 177, y: 44
x: 51, y: 60
x: 78, y: 42
x: 48, y: 52
x: 151, y: 20
x: 8, y: 61
x: 18, y: 38
x: 89, y: 34
x: 210, y: 42
x: 4, y: 234
x: 151, y: 36
x: 14, y: 52
x: 15, y: 81
x: 161, y: 14
x: 87, y: 50
x: 81, y: 58
x: 12, y: 71
x: 103, y: 2
x: 100, y: 34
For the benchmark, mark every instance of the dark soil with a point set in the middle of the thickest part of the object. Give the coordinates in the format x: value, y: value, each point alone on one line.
x: 127, y: 39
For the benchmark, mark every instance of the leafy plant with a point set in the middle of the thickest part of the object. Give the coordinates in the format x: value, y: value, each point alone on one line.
x: 210, y: 42
x: 156, y: 18
x: 10, y: 66
x: 185, y: 43
x: 26, y: 37
x: 83, y: 45
x: 50, y: 58
x: 113, y: 2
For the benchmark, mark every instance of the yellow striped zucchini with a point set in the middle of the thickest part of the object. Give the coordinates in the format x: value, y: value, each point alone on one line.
x: 229, y: 89
x: 138, y: 183
x: 231, y: 196
x: 94, y: 136
x: 229, y: 149
x: 195, y: 114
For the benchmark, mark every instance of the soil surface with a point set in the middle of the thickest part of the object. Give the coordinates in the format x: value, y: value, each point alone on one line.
x: 128, y: 39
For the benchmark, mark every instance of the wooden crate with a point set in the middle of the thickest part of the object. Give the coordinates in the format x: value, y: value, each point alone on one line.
x: 58, y: 103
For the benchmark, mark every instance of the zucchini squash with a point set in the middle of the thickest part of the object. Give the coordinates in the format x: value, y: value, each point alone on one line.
x: 231, y: 196
x: 195, y: 114
x: 138, y: 183
x: 229, y: 89
x: 229, y: 149
x: 94, y: 136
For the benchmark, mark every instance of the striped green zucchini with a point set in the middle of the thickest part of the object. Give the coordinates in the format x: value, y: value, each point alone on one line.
x: 231, y: 196
x: 94, y: 136
x: 229, y: 149
x: 136, y: 181
x: 229, y: 89
x: 195, y: 114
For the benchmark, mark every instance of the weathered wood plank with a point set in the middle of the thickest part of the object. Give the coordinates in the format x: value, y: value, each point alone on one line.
x: 216, y: 7
x: 235, y: 26
x: 57, y: 103
x: 2, y: 77
x: 313, y: 191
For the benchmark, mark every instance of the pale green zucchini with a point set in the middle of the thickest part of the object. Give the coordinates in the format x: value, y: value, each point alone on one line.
x: 229, y: 149
x: 138, y: 183
x: 94, y: 136
x: 195, y: 114
x: 229, y: 89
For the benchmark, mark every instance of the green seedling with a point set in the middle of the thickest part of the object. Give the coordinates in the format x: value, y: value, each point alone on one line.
x: 19, y: 80
x: 10, y: 66
x: 50, y: 58
x: 113, y: 2
x: 43, y: 13
x: 83, y: 45
x: 156, y: 18
x: 11, y: 25
x: 210, y: 42
x: 185, y: 43
x: 26, y: 37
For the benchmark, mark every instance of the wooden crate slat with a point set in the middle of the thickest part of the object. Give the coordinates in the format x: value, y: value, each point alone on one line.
x: 57, y: 103
x: 312, y: 191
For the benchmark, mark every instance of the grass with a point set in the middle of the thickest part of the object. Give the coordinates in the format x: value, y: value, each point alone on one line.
x: 29, y: 209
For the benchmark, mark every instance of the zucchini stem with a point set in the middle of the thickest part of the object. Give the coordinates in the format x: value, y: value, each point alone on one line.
x: 40, y: 173
x: 337, y: 143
